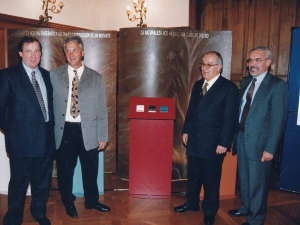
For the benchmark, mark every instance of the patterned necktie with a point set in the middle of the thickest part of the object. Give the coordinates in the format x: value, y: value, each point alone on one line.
x: 204, y: 89
x: 38, y: 94
x: 75, y: 109
x: 247, y: 105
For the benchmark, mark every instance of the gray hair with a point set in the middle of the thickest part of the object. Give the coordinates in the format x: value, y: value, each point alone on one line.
x: 265, y: 49
x: 76, y: 39
x: 219, y: 56
x: 220, y: 59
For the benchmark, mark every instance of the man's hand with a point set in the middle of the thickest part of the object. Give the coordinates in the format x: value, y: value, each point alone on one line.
x: 185, y: 138
x: 221, y: 149
x: 266, y: 156
x: 101, y: 145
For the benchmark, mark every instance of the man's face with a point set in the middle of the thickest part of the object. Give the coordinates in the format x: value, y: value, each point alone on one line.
x: 257, y: 68
x: 31, y: 54
x: 74, y: 54
x: 215, y: 68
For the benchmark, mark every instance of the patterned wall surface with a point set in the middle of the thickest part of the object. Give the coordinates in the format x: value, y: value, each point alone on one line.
x: 163, y: 62
x: 100, y: 49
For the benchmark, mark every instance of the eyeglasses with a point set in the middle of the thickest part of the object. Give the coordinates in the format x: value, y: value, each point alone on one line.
x: 202, y: 65
x: 257, y: 60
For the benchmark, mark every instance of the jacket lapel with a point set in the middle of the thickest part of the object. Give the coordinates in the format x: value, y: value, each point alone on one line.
x: 261, y: 92
x: 84, y: 75
x: 65, y: 75
x: 29, y: 91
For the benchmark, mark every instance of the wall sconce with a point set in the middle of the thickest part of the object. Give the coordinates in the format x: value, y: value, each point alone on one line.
x: 45, y: 17
x: 140, y: 6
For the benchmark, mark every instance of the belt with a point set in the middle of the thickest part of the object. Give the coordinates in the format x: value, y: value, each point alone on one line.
x: 73, y: 123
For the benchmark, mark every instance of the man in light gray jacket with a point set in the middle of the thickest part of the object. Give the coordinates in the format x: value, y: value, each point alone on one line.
x: 80, y: 125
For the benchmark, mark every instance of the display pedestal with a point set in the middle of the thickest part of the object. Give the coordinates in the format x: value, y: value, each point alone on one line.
x: 151, y: 146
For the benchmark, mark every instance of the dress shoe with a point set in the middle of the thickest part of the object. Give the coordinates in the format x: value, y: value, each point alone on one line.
x: 237, y: 213
x: 184, y: 208
x: 71, y: 211
x: 246, y: 223
x: 99, y: 206
x: 209, y: 220
x: 43, y: 221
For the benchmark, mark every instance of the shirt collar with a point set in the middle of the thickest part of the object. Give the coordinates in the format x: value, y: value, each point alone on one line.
x: 260, y: 77
x: 28, y: 69
x: 79, y: 70
x: 212, y: 81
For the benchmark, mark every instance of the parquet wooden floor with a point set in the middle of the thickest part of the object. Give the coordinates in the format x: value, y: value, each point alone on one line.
x: 283, y: 209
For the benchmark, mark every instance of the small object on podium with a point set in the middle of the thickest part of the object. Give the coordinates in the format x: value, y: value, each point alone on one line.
x: 152, y: 108
x: 140, y: 108
x: 164, y: 109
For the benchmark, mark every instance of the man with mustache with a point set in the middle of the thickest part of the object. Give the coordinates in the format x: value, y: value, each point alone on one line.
x: 263, y: 113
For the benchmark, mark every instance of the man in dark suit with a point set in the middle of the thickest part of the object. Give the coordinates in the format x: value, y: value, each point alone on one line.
x: 81, y: 126
x: 208, y: 131
x: 263, y: 113
x: 26, y: 118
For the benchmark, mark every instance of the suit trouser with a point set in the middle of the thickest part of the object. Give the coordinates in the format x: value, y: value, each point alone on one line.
x: 70, y: 149
x: 254, y: 179
x: 206, y: 171
x: 37, y: 171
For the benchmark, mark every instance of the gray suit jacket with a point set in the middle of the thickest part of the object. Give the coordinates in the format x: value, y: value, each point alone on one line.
x: 266, y: 119
x: 92, y: 101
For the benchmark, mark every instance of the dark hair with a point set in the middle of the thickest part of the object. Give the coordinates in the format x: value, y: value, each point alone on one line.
x: 220, y: 59
x: 76, y: 39
x: 28, y: 39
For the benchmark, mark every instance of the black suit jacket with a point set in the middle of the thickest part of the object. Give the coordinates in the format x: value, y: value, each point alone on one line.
x: 21, y: 117
x: 211, y: 120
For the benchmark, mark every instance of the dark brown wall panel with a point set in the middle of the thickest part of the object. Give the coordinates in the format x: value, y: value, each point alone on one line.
x: 163, y: 62
x: 253, y: 23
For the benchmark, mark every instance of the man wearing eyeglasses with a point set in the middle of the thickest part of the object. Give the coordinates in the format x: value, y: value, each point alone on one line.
x: 263, y: 113
x: 210, y: 123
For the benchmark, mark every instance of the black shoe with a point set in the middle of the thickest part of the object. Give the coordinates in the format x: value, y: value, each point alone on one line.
x: 184, y: 208
x: 237, y: 213
x: 209, y: 219
x: 43, y: 221
x: 71, y: 211
x: 99, y: 206
x: 246, y: 223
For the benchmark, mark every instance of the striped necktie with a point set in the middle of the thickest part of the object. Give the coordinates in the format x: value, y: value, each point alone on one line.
x: 38, y: 94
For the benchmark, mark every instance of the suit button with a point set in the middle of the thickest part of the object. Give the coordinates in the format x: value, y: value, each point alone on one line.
x: 63, y: 114
x: 65, y: 100
x: 61, y: 128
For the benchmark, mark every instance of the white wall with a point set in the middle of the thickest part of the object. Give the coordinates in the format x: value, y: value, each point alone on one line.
x: 103, y: 14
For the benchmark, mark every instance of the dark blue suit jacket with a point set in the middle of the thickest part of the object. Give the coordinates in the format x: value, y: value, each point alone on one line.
x: 211, y: 120
x: 21, y: 118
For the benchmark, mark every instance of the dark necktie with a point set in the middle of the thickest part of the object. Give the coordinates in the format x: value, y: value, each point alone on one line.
x: 38, y: 94
x: 247, y: 105
x: 75, y: 109
x: 204, y: 89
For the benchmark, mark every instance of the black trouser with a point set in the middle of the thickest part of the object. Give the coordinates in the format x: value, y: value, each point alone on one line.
x: 70, y: 148
x: 37, y: 171
x: 206, y: 171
